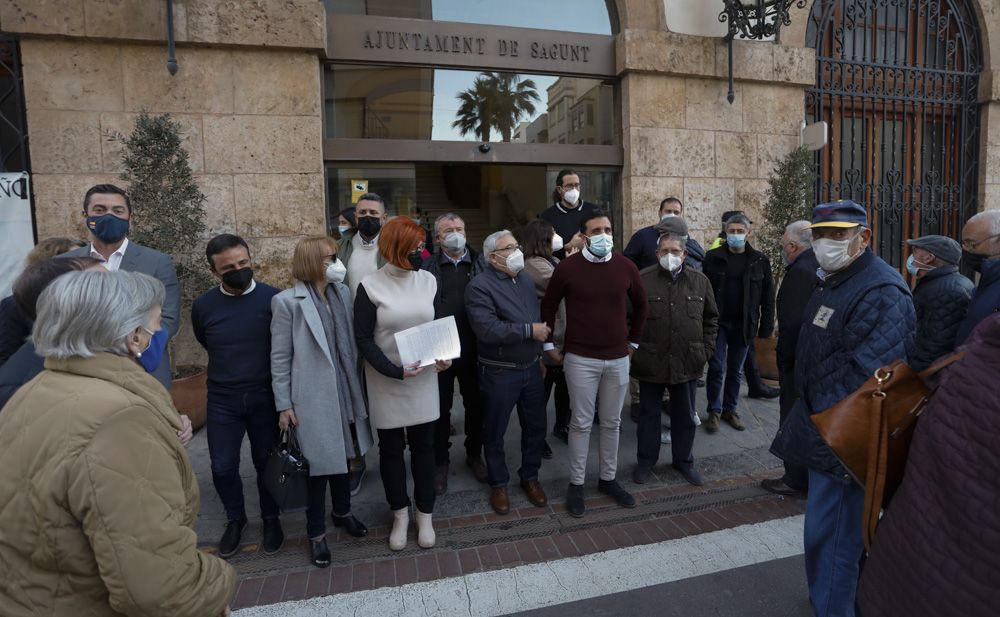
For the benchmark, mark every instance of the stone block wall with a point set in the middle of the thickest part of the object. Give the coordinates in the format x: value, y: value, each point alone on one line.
x: 683, y: 138
x: 251, y: 122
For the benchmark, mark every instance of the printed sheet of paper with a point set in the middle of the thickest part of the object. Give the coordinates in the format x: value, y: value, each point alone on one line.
x: 434, y: 340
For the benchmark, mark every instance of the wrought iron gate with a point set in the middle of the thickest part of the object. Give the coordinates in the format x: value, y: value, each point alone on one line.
x: 13, y: 125
x: 897, y: 81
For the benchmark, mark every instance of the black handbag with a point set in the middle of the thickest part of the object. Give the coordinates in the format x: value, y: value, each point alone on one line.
x: 286, y: 474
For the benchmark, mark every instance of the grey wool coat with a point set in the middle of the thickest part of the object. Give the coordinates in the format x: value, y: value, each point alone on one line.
x: 304, y: 379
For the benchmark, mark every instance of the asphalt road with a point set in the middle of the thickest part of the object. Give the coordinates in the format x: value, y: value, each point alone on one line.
x: 769, y: 589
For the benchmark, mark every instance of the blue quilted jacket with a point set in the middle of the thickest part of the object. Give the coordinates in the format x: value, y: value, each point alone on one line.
x: 856, y: 321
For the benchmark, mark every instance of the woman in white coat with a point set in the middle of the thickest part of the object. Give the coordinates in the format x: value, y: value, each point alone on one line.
x: 317, y: 383
x: 403, y: 399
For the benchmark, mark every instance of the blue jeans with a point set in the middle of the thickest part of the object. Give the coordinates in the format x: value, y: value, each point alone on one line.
x: 726, y: 363
x: 503, y: 388
x: 231, y: 415
x: 833, y: 544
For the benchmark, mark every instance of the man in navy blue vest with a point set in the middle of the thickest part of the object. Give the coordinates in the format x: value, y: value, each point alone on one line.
x: 860, y: 317
x: 233, y: 323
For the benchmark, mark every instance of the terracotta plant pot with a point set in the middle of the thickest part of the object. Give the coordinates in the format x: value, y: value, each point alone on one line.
x: 767, y: 357
x: 190, y: 394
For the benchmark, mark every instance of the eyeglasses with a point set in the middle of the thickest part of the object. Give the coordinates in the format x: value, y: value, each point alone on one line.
x: 567, y: 187
x: 971, y: 244
x: 513, y: 247
x: 332, y: 258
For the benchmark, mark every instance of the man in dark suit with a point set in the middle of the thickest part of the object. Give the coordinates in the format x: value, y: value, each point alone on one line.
x: 643, y: 246
x: 106, y: 213
x: 793, y: 295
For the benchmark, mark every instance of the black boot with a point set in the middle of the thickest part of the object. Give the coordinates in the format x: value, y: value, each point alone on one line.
x: 320, y: 553
x: 274, y: 537
x: 230, y: 542
x: 351, y: 525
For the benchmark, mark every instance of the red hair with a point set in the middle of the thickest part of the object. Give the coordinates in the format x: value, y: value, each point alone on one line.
x: 398, y: 238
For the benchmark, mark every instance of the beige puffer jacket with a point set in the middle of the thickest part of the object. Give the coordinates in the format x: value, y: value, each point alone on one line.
x: 97, y: 499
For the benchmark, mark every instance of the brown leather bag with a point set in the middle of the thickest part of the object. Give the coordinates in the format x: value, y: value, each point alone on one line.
x: 870, y: 431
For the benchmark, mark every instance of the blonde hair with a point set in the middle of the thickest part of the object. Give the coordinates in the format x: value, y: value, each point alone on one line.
x: 307, y: 262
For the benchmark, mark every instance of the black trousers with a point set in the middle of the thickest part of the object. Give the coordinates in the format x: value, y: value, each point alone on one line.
x: 464, y: 370
x: 391, y: 444
x: 340, y: 490
x: 682, y: 427
x: 796, y: 476
x: 555, y: 377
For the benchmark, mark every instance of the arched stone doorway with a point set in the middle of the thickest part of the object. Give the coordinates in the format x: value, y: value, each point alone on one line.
x: 898, y: 81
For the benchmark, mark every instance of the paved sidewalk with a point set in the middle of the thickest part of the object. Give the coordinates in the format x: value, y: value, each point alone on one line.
x: 473, y: 538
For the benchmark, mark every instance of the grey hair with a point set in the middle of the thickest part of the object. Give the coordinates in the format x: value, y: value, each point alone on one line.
x: 800, y: 233
x: 740, y: 219
x: 85, y: 313
x: 490, y: 243
x: 447, y: 216
x: 991, y: 216
x: 669, y: 236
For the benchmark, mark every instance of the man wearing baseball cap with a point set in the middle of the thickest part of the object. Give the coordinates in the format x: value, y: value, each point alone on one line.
x: 860, y: 317
x: 941, y: 297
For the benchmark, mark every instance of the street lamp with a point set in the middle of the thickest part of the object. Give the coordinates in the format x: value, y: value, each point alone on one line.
x: 754, y: 19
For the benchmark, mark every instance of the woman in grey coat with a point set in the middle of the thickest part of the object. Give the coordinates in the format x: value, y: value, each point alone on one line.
x: 317, y: 383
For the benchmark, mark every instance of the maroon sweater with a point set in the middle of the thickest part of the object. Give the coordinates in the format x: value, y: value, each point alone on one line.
x: 596, y: 294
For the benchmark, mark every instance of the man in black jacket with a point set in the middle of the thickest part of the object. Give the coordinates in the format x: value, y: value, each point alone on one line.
x: 796, y: 287
x: 454, y: 265
x: 568, y: 209
x: 941, y: 297
x: 744, y: 293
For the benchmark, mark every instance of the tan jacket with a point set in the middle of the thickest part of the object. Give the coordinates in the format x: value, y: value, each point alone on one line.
x: 540, y: 270
x: 97, y: 499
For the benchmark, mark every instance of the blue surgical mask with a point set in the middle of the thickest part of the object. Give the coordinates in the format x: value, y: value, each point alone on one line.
x: 107, y: 227
x: 913, y: 266
x: 736, y: 241
x: 151, y: 358
x: 601, y: 245
x: 343, y: 229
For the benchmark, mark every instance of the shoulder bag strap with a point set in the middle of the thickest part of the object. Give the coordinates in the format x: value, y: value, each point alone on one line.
x: 878, y: 449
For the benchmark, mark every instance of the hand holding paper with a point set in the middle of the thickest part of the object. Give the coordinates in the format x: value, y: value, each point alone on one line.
x: 427, y: 343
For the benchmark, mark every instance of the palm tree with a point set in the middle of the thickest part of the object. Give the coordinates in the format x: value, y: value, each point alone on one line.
x: 513, y: 100
x: 495, y: 100
x: 475, y: 114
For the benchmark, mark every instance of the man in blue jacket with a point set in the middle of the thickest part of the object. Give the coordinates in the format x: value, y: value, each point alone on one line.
x: 642, y: 247
x: 505, y: 315
x: 981, y: 252
x: 860, y: 317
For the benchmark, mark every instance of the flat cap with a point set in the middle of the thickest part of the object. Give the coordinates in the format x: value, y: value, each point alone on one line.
x: 672, y: 225
x: 942, y: 247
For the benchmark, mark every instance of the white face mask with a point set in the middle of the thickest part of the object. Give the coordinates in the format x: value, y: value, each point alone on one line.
x: 832, y: 255
x: 571, y: 196
x: 336, y: 272
x: 454, y: 241
x: 668, y: 215
x: 515, y: 261
x: 671, y: 263
x: 557, y: 242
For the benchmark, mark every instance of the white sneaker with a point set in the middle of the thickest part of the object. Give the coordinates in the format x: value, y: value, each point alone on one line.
x: 665, y: 435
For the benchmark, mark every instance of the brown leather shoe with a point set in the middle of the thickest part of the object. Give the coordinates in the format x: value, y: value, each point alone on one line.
x: 478, y: 469
x: 499, y: 500
x: 533, y: 489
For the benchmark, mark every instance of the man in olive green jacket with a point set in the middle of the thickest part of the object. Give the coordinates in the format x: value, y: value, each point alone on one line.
x: 677, y: 341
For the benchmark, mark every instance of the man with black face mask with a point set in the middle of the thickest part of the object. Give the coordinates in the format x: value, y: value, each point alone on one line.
x: 981, y: 252
x: 358, y: 247
x: 233, y: 323
x: 106, y: 215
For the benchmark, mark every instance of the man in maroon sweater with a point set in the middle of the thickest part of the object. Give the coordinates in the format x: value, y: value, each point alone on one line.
x: 596, y: 284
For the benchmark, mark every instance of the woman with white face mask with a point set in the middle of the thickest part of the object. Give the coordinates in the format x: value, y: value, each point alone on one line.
x: 317, y: 387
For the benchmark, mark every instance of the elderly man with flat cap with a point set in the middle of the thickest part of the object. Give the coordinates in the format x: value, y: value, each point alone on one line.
x: 941, y: 296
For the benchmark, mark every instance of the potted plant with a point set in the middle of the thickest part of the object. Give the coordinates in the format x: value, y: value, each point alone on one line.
x: 790, y: 197
x: 169, y: 208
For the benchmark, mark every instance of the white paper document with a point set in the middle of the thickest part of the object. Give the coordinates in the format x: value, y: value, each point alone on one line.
x: 434, y: 340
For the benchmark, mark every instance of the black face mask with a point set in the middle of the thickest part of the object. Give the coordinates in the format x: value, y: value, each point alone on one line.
x: 238, y: 279
x: 369, y: 226
x: 973, y: 260
x: 416, y: 260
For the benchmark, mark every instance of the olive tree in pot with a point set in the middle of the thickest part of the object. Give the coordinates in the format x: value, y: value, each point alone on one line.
x: 790, y: 197
x: 169, y: 216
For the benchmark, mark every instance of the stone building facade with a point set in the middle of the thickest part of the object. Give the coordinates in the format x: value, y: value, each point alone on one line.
x: 250, y: 96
